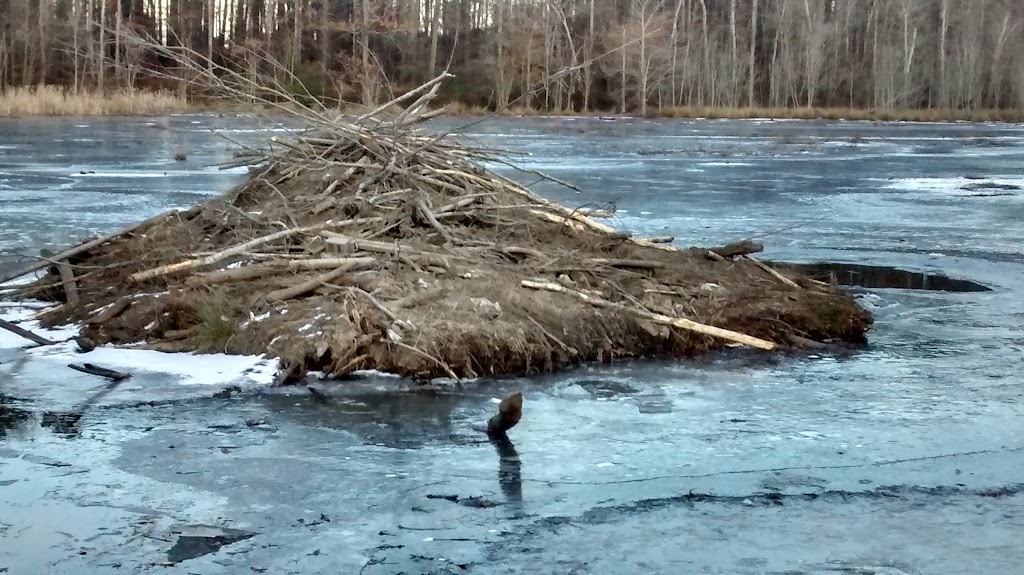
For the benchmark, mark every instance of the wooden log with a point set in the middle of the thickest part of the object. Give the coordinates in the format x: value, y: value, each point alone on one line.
x: 661, y: 239
x: 389, y: 248
x: 276, y: 267
x: 218, y: 256
x: 510, y: 412
x: 100, y: 371
x: 773, y: 272
x: 67, y: 277
x: 656, y: 318
x: 18, y: 330
x: 637, y: 264
x: 513, y: 251
x: 110, y: 312
x: 738, y: 249
x: 304, y: 287
x: 800, y: 341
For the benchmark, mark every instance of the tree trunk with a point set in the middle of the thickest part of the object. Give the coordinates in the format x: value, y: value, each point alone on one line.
x: 943, y: 83
x: 365, y: 40
x: 622, y: 93
x: 752, y: 75
x: 435, y: 26
x: 101, y: 64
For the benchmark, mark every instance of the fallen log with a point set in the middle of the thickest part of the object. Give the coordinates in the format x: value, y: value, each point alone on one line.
x: 656, y: 318
x: 18, y: 330
x: 743, y: 248
x: 110, y: 312
x: 620, y: 263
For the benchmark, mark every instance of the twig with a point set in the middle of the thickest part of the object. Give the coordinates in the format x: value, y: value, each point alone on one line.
x: 422, y: 353
x: 374, y: 301
x: 773, y: 272
x: 570, y: 349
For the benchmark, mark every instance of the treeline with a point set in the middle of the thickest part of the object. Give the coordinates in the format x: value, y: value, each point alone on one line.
x: 624, y: 55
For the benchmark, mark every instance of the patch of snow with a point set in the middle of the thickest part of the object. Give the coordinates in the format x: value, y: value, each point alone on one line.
x: 187, y: 368
x: 959, y: 186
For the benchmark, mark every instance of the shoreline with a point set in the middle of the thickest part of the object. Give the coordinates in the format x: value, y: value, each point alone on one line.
x: 60, y: 102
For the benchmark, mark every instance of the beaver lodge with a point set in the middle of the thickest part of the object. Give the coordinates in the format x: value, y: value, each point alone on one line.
x: 368, y: 243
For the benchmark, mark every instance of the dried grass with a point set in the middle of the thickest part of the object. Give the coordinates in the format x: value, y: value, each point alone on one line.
x: 59, y: 101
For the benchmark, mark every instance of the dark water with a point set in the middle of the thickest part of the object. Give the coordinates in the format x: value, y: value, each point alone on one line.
x: 904, y: 457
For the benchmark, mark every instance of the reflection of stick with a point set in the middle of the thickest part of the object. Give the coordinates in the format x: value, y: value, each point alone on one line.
x: 510, y: 411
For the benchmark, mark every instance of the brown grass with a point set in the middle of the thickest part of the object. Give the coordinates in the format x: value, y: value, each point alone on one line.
x: 59, y: 101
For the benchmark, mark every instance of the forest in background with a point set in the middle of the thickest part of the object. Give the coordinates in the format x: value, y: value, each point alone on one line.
x: 638, y: 56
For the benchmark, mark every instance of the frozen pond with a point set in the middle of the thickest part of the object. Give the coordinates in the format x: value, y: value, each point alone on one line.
x: 905, y: 457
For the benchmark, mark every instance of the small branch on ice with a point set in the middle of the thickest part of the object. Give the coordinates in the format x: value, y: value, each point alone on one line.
x: 100, y: 371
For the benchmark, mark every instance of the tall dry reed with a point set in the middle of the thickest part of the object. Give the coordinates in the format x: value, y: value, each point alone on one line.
x: 59, y: 101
